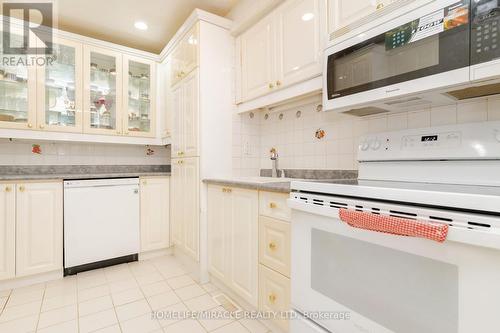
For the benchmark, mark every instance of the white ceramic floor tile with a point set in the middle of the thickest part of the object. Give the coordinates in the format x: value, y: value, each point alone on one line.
x: 27, y: 289
x: 127, y: 296
x: 142, y: 324
x: 171, y: 272
x: 254, y: 326
x: 95, y: 305
x: 66, y: 281
x: 58, y: 302
x: 180, y: 281
x: 185, y: 326
x: 67, y: 327
x: 209, y: 287
x: 3, y: 301
x: 110, y: 329
x: 122, y: 285
x: 23, y: 298
x: 234, y: 327
x: 132, y: 310
x: 118, y: 275
x: 189, y: 292
x: 217, y: 319
x: 58, y: 316
x: 163, y: 300
x: 201, y: 303
x: 171, y: 314
x: 149, y: 278
x: 60, y: 290
x: 142, y: 268
x: 91, y: 281
x: 90, y: 274
x: 94, y: 292
x: 155, y: 288
x: 97, y: 321
x: 23, y: 325
x: 20, y: 311
x: 4, y: 293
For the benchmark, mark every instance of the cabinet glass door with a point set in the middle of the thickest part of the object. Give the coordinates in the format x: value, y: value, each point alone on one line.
x: 139, y: 101
x: 103, y: 100
x: 17, y: 87
x: 59, y: 93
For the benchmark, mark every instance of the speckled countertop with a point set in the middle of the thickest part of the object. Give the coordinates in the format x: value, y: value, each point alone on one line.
x: 30, y: 172
x: 282, y: 184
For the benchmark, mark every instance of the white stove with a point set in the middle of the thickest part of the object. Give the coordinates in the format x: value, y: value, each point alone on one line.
x: 348, y: 278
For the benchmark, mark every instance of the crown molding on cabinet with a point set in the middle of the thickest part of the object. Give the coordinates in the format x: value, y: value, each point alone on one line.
x: 239, y: 26
x: 196, y: 15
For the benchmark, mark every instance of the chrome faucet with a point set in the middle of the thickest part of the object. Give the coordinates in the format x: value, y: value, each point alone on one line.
x: 274, y: 160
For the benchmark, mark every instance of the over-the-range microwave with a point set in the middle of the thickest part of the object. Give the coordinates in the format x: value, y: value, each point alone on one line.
x: 442, y: 52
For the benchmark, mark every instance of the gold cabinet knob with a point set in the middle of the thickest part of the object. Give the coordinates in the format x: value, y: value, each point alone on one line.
x: 118, y: 132
x: 21, y: 188
x: 180, y: 162
x: 273, y: 205
x: 272, y: 246
x: 278, y: 83
x: 182, y: 73
x: 41, y: 126
x: 380, y: 6
x: 271, y: 86
x: 30, y: 125
x: 8, y: 189
x: 272, y: 298
x: 229, y: 190
x: 144, y: 182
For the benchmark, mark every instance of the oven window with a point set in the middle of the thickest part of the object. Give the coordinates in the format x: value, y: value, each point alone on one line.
x: 398, y: 290
x: 433, y: 44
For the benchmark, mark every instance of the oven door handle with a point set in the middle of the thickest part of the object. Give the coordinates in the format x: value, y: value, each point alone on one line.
x: 395, y: 225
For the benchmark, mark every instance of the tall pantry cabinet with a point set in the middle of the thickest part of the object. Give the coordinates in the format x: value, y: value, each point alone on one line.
x: 200, y: 102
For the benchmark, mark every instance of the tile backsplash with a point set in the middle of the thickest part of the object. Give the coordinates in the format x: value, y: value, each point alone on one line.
x: 299, y: 148
x: 19, y: 152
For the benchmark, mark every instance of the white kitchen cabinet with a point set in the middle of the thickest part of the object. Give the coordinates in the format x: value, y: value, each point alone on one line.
x: 155, y: 213
x: 185, y: 210
x: 139, y: 96
x: 39, y: 227
x: 185, y: 55
x: 59, y: 89
x: 102, y: 86
x: 274, y: 294
x: 233, y: 239
x: 299, y: 36
x: 345, y: 13
x: 166, y: 97
x: 282, y: 49
x: 185, y: 117
x: 258, y: 70
x: 274, y: 244
x: 7, y: 231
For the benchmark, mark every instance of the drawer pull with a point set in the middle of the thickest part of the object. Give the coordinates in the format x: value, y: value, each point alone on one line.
x: 273, y: 205
x: 272, y: 246
x: 180, y: 162
x: 21, y: 188
x: 7, y: 189
x: 272, y: 298
x: 226, y: 190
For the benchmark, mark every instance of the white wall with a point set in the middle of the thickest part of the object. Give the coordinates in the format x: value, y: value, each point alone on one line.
x: 294, y: 138
x: 20, y: 153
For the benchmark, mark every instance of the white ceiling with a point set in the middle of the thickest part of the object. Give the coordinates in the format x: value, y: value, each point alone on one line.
x: 113, y: 20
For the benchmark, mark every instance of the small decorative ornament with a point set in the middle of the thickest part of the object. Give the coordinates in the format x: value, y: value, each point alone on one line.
x: 298, y: 114
x: 36, y: 149
x: 149, y: 151
x: 251, y: 115
x: 319, y: 107
x: 266, y: 116
x: 320, y: 134
x: 281, y: 116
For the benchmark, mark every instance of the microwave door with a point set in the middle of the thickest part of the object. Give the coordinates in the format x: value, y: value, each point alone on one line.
x: 433, y: 44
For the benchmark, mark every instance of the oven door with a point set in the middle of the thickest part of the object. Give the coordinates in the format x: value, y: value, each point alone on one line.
x: 352, y: 280
x: 419, y: 51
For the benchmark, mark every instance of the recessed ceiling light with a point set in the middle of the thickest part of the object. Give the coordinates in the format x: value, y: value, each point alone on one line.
x: 307, y: 16
x: 141, y: 25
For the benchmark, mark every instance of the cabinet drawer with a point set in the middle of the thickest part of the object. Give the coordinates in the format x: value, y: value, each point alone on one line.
x: 274, y: 244
x: 274, y: 293
x: 274, y: 205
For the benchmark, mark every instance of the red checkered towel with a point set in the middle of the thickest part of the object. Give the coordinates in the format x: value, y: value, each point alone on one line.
x: 395, y: 225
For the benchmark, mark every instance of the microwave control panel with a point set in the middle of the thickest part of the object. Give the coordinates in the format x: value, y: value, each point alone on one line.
x: 464, y: 142
x: 485, y: 31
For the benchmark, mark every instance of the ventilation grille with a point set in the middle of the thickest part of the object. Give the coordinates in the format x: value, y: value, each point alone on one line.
x: 408, y: 102
x: 452, y: 218
x: 226, y: 303
x: 368, y: 111
x: 367, y: 19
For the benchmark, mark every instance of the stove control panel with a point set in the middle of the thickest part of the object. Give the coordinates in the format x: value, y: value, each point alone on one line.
x: 464, y: 141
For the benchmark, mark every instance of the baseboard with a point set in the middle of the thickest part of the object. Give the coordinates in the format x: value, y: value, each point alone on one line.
x: 155, y: 253
x: 31, y: 280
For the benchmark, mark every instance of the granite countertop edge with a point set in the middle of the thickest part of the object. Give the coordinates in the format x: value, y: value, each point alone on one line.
x: 278, y: 186
x: 84, y: 176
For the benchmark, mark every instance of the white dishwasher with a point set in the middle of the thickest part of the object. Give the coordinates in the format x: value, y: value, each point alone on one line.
x: 101, y: 223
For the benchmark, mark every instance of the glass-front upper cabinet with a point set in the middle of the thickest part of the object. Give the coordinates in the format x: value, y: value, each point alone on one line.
x: 17, y: 86
x: 60, y: 88
x: 102, y: 91
x: 139, y: 97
